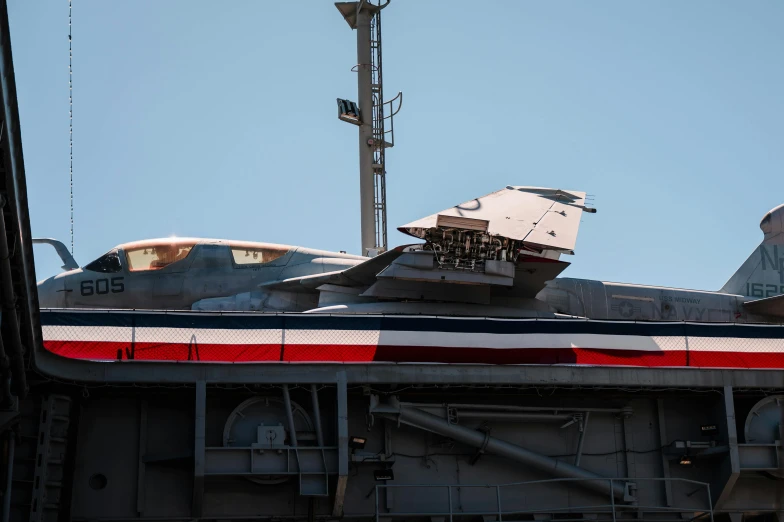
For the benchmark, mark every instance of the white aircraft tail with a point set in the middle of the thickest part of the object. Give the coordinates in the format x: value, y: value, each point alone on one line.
x: 69, y: 263
x: 762, y: 275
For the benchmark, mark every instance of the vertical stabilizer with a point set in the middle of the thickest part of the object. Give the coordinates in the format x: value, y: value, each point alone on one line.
x: 762, y: 275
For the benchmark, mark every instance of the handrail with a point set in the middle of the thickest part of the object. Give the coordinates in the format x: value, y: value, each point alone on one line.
x: 399, y: 106
x: 612, y: 507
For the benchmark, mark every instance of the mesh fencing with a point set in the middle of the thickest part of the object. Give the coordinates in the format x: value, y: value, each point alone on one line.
x: 238, y: 337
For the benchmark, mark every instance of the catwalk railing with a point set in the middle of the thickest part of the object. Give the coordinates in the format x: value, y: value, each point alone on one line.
x: 524, y: 498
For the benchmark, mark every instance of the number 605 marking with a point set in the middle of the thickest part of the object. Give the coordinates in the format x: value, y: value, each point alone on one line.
x: 114, y: 285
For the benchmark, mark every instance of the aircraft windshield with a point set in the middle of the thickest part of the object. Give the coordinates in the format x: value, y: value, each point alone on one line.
x: 156, y: 256
x: 256, y: 255
x: 108, y: 263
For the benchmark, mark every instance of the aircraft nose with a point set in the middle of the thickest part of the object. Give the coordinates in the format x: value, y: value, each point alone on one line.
x: 48, y: 296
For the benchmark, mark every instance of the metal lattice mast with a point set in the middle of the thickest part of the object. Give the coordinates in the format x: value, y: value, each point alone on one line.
x: 379, y: 137
x: 370, y: 114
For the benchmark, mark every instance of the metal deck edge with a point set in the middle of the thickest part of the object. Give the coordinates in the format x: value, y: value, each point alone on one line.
x: 400, y: 373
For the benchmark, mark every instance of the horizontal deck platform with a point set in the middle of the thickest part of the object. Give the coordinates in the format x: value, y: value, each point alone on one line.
x: 161, y: 347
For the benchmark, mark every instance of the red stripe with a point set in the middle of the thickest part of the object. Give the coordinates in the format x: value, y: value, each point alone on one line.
x: 332, y: 353
x: 98, y: 350
x: 366, y: 353
x: 532, y: 356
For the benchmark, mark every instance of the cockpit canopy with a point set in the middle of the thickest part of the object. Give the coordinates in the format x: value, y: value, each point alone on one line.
x: 143, y: 255
x: 108, y: 263
x: 246, y: 253
x: 155, y: 254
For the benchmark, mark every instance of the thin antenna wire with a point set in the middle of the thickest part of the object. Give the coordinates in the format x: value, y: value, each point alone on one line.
x: 70, y: 115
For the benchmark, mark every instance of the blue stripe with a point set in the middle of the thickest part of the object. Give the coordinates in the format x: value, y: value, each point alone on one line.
x: 391, y: 323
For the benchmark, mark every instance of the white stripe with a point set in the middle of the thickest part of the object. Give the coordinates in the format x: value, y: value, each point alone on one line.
x: 732, y: 344
x: 86, y: 333
x: 502, y: 341
x: 161, y: 335
x: 209, y: 336
x: 347, y: 337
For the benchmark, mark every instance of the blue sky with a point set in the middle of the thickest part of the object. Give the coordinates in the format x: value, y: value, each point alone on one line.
x: 210, y: 119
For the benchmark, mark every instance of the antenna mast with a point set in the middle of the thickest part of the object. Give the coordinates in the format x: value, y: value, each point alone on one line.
x: 371, y: 118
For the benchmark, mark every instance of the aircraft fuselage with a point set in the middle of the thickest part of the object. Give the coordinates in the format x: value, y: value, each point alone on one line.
x: 621, y: 301
x: 141, y: 276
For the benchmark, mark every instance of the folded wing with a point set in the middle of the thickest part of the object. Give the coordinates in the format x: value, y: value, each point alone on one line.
x: 770, y: 306
x: 363, y: 274
x: 543, y: 218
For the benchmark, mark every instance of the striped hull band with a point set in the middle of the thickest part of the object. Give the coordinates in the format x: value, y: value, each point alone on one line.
x: 249, y: 338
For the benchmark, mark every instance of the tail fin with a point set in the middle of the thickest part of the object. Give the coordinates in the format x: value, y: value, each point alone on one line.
x: 762, y: 275
x: 69, y: 263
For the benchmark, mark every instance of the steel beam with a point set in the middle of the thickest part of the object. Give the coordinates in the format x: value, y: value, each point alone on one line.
x: 583, y: 429
x: 199, y: 449
x: 289, y: 416
x: 9, y: 320
x: 25, y: 310
x: 732, y: 440
x: 663, y: 441
x: 514, y: 416
x: 142, y: 466
x: 340, y: 490
x: 316, y: 414
x: 258, y: 460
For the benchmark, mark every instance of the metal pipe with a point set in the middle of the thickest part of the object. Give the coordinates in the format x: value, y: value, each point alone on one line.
x: 317, y: 414
x: 503, y: 407
x: 583, y: 429
x: 429, y: 422
x: 7, y: 301
x: 342, y: 420
x: 365, y: 102
x: 9, y: 477
x: 508, y: 416
x: 289, y: 415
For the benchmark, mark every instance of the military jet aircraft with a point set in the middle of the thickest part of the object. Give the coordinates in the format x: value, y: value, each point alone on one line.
x: 173, y: 273
x: 471, y: 263
x: 496, y: 255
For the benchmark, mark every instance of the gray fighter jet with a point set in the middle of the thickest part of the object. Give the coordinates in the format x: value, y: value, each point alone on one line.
x: 489, y: 256
x: 497, y: 255
x: 173, y: 273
